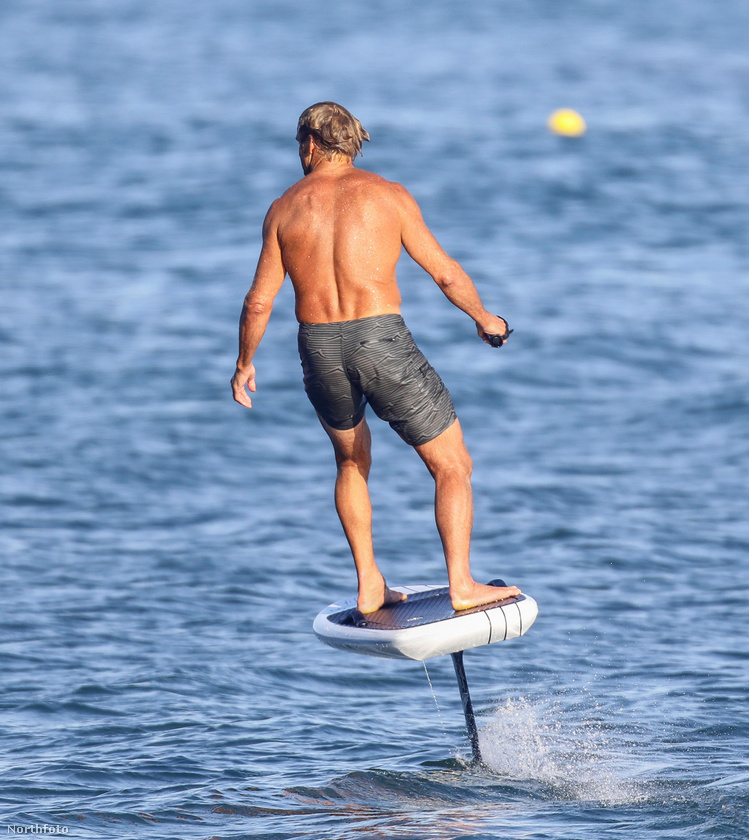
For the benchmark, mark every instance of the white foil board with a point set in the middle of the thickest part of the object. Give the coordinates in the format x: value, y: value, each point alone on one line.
x: 424, y: 625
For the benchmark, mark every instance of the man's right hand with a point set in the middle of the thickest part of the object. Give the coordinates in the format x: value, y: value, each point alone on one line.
x: 241, y: 382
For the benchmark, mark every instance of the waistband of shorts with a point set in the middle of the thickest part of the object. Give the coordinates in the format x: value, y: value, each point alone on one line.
x: 389, y: 319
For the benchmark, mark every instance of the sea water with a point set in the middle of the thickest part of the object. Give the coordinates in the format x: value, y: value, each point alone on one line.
x: 164, y: 551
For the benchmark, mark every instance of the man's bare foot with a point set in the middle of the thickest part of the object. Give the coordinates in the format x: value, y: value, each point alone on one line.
x: 480, y: 593
x: 376, y: 597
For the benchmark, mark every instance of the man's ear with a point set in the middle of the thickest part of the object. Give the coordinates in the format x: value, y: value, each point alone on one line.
x: 306, y: 146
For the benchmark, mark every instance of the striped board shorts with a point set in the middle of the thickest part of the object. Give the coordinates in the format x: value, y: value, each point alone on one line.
x: 374, y: 360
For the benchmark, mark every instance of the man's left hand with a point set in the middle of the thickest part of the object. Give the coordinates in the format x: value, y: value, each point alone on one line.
x: 493, y: 325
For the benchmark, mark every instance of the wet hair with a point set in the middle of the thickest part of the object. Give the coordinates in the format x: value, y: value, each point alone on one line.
x: 335, y: 130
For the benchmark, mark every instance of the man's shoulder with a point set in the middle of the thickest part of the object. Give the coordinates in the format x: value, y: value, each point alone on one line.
x: 289, y: 193
x: 285, y: 202
x: 383, y: 191
x: 372, y: 179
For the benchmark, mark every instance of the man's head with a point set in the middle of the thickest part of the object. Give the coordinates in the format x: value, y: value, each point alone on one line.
x: 334, y: 130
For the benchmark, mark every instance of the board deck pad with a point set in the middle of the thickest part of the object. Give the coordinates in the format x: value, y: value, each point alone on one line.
x: 418, y: 609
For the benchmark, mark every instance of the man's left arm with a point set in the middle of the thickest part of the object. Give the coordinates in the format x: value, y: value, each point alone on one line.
x: 447, y: 273
x: 258, y: 305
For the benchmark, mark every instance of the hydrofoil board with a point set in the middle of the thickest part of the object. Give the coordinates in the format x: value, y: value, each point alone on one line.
x: 424, y: 625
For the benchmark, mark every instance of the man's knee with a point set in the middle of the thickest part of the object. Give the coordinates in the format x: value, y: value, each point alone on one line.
x: 359, y: 462
x: 448, y: 457
x: 352, y: 446
x: 467, y: 463
x: 459, y: 463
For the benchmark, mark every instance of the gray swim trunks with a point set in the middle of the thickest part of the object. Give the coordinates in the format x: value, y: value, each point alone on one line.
x: 348, y: 364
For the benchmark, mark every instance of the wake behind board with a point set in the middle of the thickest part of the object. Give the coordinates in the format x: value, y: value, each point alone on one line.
x: 424, y: 625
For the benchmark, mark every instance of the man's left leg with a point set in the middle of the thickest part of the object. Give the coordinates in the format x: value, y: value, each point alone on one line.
x: 449, y: 463
x: 353, y: 460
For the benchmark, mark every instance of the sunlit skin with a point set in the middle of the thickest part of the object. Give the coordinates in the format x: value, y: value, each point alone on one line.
x: 338, y: 234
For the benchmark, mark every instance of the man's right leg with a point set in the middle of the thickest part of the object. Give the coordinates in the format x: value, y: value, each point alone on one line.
x: 449, y: 463
x: 353, y: 460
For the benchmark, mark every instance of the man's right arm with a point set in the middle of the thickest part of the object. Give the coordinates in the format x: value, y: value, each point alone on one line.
x: 258, y: 304
x: 447, y: 273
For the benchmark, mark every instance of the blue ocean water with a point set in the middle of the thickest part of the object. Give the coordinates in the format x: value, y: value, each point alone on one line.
x: 164, y: 552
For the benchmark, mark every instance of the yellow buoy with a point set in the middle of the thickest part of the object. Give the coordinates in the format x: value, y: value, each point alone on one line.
x: 566, y: 122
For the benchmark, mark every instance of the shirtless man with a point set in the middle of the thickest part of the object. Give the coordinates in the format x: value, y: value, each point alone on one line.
x: 338, y: 233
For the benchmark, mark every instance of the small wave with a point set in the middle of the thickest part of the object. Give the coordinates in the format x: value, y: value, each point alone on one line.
x: 543, y: 741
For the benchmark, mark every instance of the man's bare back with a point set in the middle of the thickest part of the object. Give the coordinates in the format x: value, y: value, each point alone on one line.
x: 339, y: 230
x: 338, y: 233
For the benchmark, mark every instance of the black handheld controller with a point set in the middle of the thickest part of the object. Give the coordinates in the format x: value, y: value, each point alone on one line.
x: 499, y: 340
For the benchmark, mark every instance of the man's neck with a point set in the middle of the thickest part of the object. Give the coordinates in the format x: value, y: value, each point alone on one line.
x: 330, y: 166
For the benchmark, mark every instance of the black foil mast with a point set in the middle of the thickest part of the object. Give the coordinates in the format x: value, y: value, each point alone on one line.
x: 473, y: 735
